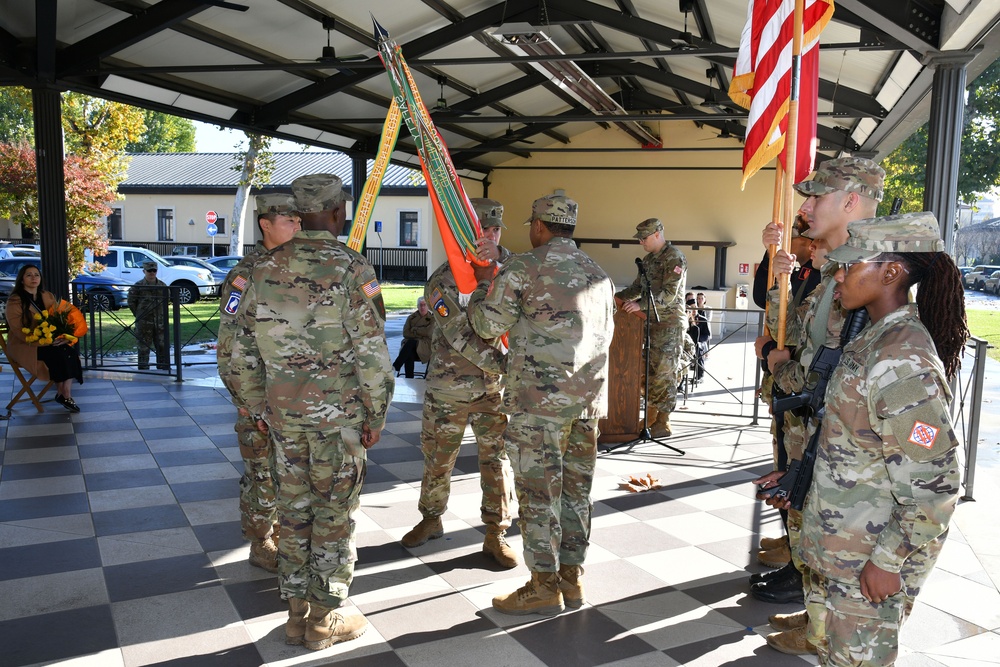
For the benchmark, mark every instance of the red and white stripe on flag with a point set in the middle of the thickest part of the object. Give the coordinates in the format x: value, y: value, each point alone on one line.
x: 762, y: 81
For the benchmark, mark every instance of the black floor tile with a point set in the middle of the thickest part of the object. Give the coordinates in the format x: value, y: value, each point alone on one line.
x: 227, y: 440
x: 584, y: 637
x: 139, y: 519
x: 39, y: 470
x: 159, y: 577
x: 219, y: 536
x: 21, y: 509
x: 171, y: 432
x: 767, y: 656
x: 412, y: 438
x: 152, y: 413
x: 385, y: 455
x: 113, y: 449
x: 397, y: 417
x: 204, y: 420
x: 124, y: 479
x: 42, y: 441
x: 635, y: 500
x: 256, y: 598
x: 189, y: 457
x: 409, y: 407
x: 105, y: 426
x: 57, y: 636
x: 35, y: 560
x: 213, y: 489
x: 35, y: 418
x: 376, y: 473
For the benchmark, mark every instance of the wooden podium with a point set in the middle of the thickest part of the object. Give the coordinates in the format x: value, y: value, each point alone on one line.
x: 625, y: 380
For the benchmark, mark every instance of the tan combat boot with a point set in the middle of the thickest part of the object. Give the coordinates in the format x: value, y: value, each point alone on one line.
x: 264, y: 554
x: 496, y: 547
x: 783, y: 622
x: 571, y: 586
x: 661, y: 427
x: 792, y: 642
x: 325, y: 627
x: 768, y: 543
x: 429, y: 528
x: 541, y: 595
x: 651, y: 414
x: 775, y: 558
x: 295, y: 626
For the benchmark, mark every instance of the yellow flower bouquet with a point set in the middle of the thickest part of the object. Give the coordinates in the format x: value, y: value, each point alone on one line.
x: 61, y: 321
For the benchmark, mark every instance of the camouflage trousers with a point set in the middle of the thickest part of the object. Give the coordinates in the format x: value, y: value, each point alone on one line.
x: 258, y: 514
x: 553, y: 461
x: 151, y: 334
x: 320, y: 475
x: 666, y: 360
x: 444, y: 422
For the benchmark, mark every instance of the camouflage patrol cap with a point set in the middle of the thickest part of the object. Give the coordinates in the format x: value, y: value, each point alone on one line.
x: 558, y: 209
x: 149, y: 265
x: 275, y: 203
x: 850, y: 174
x: 908, y: 232
x: 318, y: 192
x: 647, y: 227
x: 489, y: 212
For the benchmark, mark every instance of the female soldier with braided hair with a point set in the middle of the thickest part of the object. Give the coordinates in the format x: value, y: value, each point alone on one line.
x: 886, y: 477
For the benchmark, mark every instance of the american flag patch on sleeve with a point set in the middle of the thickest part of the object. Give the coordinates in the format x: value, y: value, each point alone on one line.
x: 239, y: 282
x: 371, y: 288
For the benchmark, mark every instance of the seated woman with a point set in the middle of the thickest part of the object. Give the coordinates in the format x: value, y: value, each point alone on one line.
x: 416, y: 338
x: 60, y: 361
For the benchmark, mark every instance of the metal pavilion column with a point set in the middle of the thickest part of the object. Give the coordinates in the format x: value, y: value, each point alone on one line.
x: 944, y: 139
x: 51, y: 189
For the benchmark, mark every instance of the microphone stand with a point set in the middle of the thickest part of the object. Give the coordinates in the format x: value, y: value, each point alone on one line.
x: 651, y: 312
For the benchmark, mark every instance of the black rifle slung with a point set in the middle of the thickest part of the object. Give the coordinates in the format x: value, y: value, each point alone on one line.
x: 809, y: 404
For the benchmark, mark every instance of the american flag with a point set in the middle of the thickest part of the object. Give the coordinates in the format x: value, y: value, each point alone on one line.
x: 239, y: 282
x: 371, y: 288
x: 762, y: 81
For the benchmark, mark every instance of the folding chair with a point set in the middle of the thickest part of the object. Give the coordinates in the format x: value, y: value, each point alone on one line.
x: 25, y: 384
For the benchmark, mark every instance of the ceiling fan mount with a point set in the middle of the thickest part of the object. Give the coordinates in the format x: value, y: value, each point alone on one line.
x: 441, y: 105
x: 329, y: 53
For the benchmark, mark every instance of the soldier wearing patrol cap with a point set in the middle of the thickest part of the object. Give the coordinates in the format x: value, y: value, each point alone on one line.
x: 463, y: 387
x: 556, y: 305
x: 665, y: 267
x: 886, y: 478
x: 147, y: 300
x: 312, y: 315
x: 278, y: 222
x: 841, y: 191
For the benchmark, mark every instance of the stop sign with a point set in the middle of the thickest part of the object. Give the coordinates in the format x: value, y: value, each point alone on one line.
x: 211, y: 217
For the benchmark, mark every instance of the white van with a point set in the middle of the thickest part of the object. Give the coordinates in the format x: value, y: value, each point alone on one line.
x: 124, y: 263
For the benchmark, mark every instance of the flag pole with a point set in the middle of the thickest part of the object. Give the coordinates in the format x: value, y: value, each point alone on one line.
x: 791, y: 140
x: 779, y: 178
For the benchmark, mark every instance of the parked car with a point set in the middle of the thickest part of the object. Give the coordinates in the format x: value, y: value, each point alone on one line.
x: 184, y: 260
x: 124, y: 263
x: 8, y: 252
x: 225, y: 262
x: 992, y: 284
x: 92, y: 289
x: 976, y: 279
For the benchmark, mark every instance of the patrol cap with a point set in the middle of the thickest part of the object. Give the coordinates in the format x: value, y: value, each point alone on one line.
x: 149, y: 265
x: 489, y: 212
x: 318, y: 192
x: 647, y: 227
x: 849, y: 174
x: 558, y: 209
x: 282, y: 204
x: 907, y: 232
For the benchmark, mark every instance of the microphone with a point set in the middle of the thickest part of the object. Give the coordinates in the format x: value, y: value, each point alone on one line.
x: 642, y: 269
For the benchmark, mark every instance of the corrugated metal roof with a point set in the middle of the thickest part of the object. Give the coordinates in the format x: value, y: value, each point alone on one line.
x: 199, y: 170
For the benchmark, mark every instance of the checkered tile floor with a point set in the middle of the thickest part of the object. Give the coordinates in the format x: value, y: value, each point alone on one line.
x: 120, y: 545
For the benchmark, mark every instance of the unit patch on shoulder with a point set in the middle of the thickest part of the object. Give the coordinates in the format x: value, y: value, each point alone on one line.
x: 678, y: 269
x: 239, y: 282
x: 233, y: 302
x: 923, y: 435
x: 439, y: 305
x: 371, y: 288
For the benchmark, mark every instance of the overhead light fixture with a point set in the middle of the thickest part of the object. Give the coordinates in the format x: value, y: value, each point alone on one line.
x: 525, y: 39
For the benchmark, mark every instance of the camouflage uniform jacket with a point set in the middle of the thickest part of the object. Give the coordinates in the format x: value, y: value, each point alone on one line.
x: 420, y: 328
x: 310, y: 351
x: 557, y: 304
x: 230, y: 295
x: 886, y: 478
x: 790, y: 376
x: 145, y: 300
x: 462, y: 363
x: 667, y: 271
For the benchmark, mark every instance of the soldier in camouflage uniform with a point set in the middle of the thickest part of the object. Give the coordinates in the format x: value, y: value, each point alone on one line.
x: 278, y: 223
x: 148, y: 299
x: 666, y: 269
x: 841, y: 191
x: 311, y: 360
x: 557, y: 305
x: 886, y: 476
x: 463, y: 386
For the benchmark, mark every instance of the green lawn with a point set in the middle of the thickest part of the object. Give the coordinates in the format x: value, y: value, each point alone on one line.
x: 401, y: 297
x: 985, y: 324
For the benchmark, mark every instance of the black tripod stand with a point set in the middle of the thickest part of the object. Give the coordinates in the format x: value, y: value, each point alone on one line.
x: 645, y: 435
